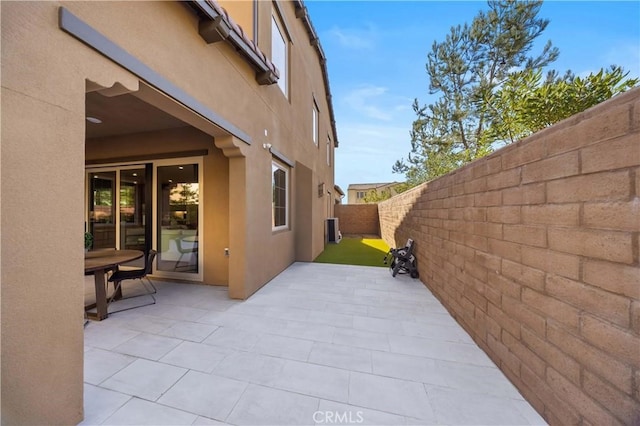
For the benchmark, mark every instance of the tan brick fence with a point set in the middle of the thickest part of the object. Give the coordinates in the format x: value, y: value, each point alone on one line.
x: 534, y: 250
x: 358, y: 219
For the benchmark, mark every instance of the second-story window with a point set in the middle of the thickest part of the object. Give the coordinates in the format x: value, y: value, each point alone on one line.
x: 280, y: 53
x: 328, y: 151
x: 315, y: 124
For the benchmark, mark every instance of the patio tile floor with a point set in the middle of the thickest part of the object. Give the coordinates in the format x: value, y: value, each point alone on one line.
x: 319, y: 344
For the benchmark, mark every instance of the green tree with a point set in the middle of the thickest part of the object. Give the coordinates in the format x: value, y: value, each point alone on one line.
x: 525, y: 104
x: 492, y: 91
x: 464, y: 69
x: 374, y: 196
x: 183, y: 194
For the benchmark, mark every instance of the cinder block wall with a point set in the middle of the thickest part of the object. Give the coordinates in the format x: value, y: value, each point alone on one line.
x: 534, y: 251
x: 358, y: 219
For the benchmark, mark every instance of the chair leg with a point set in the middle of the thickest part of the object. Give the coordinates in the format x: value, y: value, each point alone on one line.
x: 118, y: 290
x: 155, y: 290
x: 178, y: 262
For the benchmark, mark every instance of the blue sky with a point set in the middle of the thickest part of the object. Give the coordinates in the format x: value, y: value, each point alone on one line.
x: 376, y: 55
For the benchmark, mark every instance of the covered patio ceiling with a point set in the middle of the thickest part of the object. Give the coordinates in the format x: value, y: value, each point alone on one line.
x: 124, y: 114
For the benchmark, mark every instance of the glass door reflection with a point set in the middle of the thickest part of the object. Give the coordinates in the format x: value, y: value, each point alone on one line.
x: 178, y: 201
x: 132, y: 209
x: 102, y: 211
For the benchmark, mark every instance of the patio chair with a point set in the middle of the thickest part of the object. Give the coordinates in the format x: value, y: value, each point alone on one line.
x: 121, y: 275
x: 184, y: 250
x: 403, y: 261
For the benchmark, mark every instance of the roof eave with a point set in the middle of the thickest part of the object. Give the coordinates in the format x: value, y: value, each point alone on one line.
x: 301, y: 13
x: 218, y: 26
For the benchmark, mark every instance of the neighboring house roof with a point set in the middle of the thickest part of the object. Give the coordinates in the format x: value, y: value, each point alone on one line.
x: 338, y: 190
x: 220, y: 26
x: 366, y: 186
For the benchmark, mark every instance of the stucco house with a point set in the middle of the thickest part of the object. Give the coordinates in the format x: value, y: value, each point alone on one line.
x: 358, y: 191
x: 198, y: 124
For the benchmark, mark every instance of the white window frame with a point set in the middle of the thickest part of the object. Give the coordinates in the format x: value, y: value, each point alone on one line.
x: 278, y: 33
x: 276, y: 165
x: 329, y: 151
x: 315, y: 123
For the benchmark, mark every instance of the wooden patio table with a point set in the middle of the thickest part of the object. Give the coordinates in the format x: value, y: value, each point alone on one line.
x: 98, y: 263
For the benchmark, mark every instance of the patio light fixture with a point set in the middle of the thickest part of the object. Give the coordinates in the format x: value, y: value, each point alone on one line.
x: 94, y: 120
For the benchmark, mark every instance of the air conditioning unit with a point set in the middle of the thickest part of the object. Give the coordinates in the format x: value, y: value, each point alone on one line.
x: 333, y: 230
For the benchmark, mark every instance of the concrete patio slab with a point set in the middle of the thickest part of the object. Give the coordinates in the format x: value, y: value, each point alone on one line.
x: 320, y: 344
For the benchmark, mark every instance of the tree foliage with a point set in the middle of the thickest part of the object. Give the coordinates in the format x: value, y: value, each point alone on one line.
x: 463, y: 69
x: 374, y: 196
x: 525, y: 104
x: 490, y: 90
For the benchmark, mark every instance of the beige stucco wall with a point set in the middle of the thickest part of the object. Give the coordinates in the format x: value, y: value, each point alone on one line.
x: 42, y: 252
x: 151, y: 144
x: 44, y: 72
x: 242, y: 12
x: 229, y: 89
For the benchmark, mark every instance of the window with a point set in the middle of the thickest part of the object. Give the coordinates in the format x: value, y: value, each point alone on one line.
x: 279, y: 53
x: 315, y: 126
x: 328, y: 151
x: 280, y: 187
x: 360, y: 194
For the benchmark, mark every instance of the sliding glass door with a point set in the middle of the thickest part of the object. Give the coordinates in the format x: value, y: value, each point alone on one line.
x: 102, y: 208
x: 132, y: 209
x: 116, y: 208
x: 178, y: 206
x: 155, y: 205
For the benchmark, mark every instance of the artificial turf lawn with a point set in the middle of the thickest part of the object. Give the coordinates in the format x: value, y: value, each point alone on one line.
x: 355, y: 251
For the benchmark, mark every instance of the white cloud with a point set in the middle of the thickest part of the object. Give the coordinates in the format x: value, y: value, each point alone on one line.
x: 354, y: 39
x: 375, y: 102
x: 405, y: 106
x: 361, y: 100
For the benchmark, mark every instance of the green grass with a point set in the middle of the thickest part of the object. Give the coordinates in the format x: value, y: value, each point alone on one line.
x: 355, y: 251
